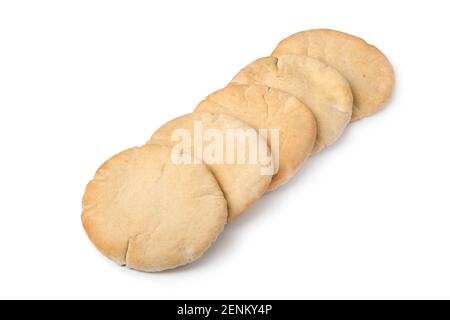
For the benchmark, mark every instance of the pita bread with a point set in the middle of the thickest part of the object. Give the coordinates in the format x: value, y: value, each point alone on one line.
x: 366, y: 68
x: 242, y: 183
x: 266, y: 108
x: 320, y: 87
x: 146, y: 213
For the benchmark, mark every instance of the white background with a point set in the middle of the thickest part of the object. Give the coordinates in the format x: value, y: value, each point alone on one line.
x: 82, y: 80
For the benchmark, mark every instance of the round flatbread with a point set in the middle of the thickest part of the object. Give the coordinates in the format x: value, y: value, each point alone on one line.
x: 243, y: 178
x: 149, y: 214
x: 320, y: 87
x: 366, y: 68
x: 266, y: 108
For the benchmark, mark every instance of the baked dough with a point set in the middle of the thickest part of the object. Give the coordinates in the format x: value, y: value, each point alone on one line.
x: 366, y: 68
x: 149, y: 214
x: 320, y: 87
x: 242, y: 184
x: 266, y: 108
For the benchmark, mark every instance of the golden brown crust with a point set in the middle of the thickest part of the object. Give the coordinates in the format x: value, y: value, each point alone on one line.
x: 145, y: 212
x: 266, y: 108
x: 367, y: 69
x: 321, y: 88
